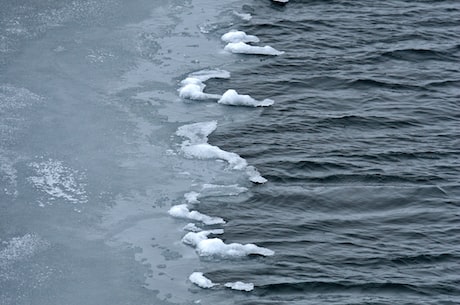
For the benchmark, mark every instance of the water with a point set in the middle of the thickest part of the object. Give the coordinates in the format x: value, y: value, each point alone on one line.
x: 361, y: 152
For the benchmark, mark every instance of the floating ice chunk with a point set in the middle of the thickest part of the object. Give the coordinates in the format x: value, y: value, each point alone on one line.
x: 192, y: 197
x: 216, y: 247
x: 239, y: 36
x: 194, y: 238
x: 198, y: 147
x: 200, y: 280
x: 206, y: 152
x: 244, y: 48
x: 240, y: 286
x: 280, y: 1
x: 193, y: 86
x: 205, y: 75
x: 244, y: 16
x: 182, y: 211
x: 222, y: 190
x: 197, y: 132
x: 231, y: 97
x: 254, y: 175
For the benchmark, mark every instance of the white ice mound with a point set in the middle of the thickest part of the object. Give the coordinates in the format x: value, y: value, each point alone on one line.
x: 193, y: 86
x: 239, y: 36
x: 244, y: 48
x: 216, y: 247
x: 197, y: 146
x: 194, y: 238
x: 182, y: 211
x: 200, y: 280
x: 231, y: 97
x: 240, y: 286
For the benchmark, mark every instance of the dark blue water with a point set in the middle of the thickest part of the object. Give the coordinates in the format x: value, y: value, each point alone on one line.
x: 361, y: 151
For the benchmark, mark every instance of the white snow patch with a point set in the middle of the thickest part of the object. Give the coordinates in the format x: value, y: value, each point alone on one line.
x: 231, y: 97
x: 194, y: 238
x: 216, y: 247
x: 191, y: 227
x: 182, y: 211
x: 244, y: 48
x: 193, y: 86
x: 239, y: 36
x: 200, y: 280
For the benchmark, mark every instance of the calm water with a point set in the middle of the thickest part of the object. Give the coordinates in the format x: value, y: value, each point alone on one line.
x: 361, y: 152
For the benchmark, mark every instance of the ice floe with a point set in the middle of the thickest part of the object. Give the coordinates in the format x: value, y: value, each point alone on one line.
x: 182, y: 211
x: 244, y: 48
x: 239, y: 36
x: 231, y: 97
x: 240, y: 286
x: 200, y: 280
x: 198, y: 147
x: 193, y: 86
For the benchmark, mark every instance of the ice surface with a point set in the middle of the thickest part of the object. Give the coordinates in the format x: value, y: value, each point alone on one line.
x: 193, y: 86
x: 200, y: 280
x: 59, y: 181
x: 19, y: 248
x: 216, y: 247
x: 239, y: 36
x: 182, y: 211
x: 231, y: 97
x: 197, y: 132
x: 222, y: 190
x: 240, y: 286
x: 244, y: 48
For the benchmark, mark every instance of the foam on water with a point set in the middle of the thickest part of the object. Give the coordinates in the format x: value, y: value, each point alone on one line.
x: 240, y: 286
x: 193, y: 86
x: 182, y: 211
x: 192, y: 197
x: 238, y: 36
x: 231, y: 97
x: 197, y: 147
x: 200, y: 280
x: 244, y: 48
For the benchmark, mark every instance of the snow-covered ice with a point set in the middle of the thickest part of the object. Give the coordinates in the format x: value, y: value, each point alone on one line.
x: 231, y: 97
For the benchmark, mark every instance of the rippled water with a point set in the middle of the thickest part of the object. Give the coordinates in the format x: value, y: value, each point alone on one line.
x: 361, y: 151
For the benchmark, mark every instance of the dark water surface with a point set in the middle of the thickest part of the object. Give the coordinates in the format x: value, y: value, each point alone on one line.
x: 361, y: 151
